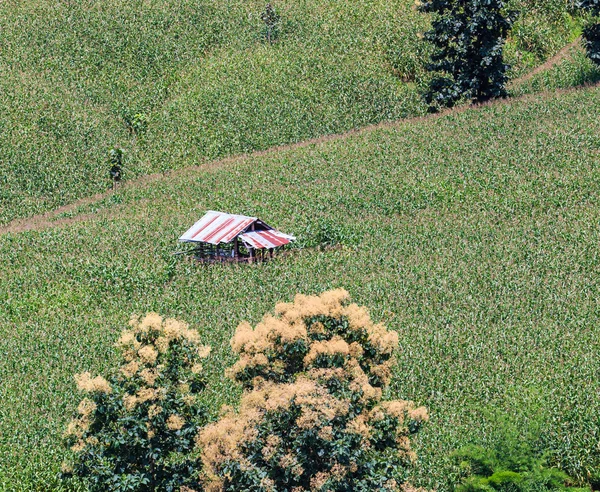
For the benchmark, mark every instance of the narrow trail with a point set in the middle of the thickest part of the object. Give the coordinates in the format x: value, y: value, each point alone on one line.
x: 550, y: 63
x: 52, y: 219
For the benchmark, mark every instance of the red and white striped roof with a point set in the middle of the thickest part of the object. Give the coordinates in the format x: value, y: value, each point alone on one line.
x: 217, y: 227
x: 266, y: 239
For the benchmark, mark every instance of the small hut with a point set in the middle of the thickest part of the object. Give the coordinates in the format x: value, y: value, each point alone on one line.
x: 226, y: 237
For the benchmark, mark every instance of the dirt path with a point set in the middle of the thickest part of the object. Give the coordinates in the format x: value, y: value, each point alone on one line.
x: 551, y: 62
x: 52, y: 218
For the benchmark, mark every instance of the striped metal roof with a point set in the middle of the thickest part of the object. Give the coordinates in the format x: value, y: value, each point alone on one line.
x: 217, y: 227
x: 266, y: 239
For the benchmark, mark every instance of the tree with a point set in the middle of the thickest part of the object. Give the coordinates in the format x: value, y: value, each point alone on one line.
x: 591, y: 33
x: 312, y: 415
x: 115, y: 158
x: 468, y: 38
x: 271, y: 19
x: 136, y: 430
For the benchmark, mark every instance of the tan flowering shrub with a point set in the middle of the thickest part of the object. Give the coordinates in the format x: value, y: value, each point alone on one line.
x: 312, y: 415
x: 310, y: 333
x: 135, y: 431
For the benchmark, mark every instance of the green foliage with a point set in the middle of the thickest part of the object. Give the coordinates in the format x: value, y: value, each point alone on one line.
x: 468, y: 37
x: 312, y: 416
x: 115, y: 159
x: 591, y: 37
x: 591, y: 33
x: 512, y: 470
x: 136, y: 123
x: 593, y: 6
x: 115, y: 156
x: 135, y: 432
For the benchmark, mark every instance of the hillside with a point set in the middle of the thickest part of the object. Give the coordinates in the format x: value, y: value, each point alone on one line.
x: 474, y: 234
x: 196, y: 81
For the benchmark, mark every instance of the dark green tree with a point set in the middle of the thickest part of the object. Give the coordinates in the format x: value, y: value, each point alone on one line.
x: 591, y: 33
x: 468, y: 39
x: 271, y: 19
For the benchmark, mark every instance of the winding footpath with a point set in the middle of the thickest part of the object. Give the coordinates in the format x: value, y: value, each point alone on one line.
x: 53, y: 219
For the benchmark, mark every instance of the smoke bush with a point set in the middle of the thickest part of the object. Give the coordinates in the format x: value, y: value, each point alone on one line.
x: 312, y: 415
x: 135, y: 431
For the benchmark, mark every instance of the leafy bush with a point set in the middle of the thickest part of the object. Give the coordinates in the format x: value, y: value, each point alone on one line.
x: 487, y: 470
x: 468, y: 36
x: 136, y: 123
x: 591, y: 39
x: 136, y: 430
x: 312, y: 415
x: 115, y: 158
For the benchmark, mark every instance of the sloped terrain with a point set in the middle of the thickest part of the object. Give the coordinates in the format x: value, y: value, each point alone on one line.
x: 474, y: 234
x: 181, y: 82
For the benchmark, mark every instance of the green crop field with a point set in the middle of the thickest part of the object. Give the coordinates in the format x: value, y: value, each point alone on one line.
x: 179, y: 82
x: 474, y: 234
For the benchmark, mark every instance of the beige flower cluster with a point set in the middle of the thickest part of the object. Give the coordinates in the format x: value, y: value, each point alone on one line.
x: 87, y: 384
x: 80, y: 424
x: 143, y: 344
x: 223, y: 440
x: 319, y: 411
x: 264, y: 348
x: 161, y: 332
x: 141, y: 378
x: 324, y: 328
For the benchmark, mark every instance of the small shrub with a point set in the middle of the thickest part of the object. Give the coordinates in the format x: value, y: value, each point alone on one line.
x: 136, y: 123
x: 115, y: 159
x: 271, y: 19
x: 517, y: 470
x: 312, y: 415
x: 135, y: 431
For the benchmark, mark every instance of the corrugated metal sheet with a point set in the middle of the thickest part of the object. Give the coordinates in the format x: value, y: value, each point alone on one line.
x: 217, y: 227
x: 266, y: 239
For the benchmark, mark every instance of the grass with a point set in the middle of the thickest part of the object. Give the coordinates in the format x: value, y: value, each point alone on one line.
x: 73, y: 74
x: 474, y: 234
